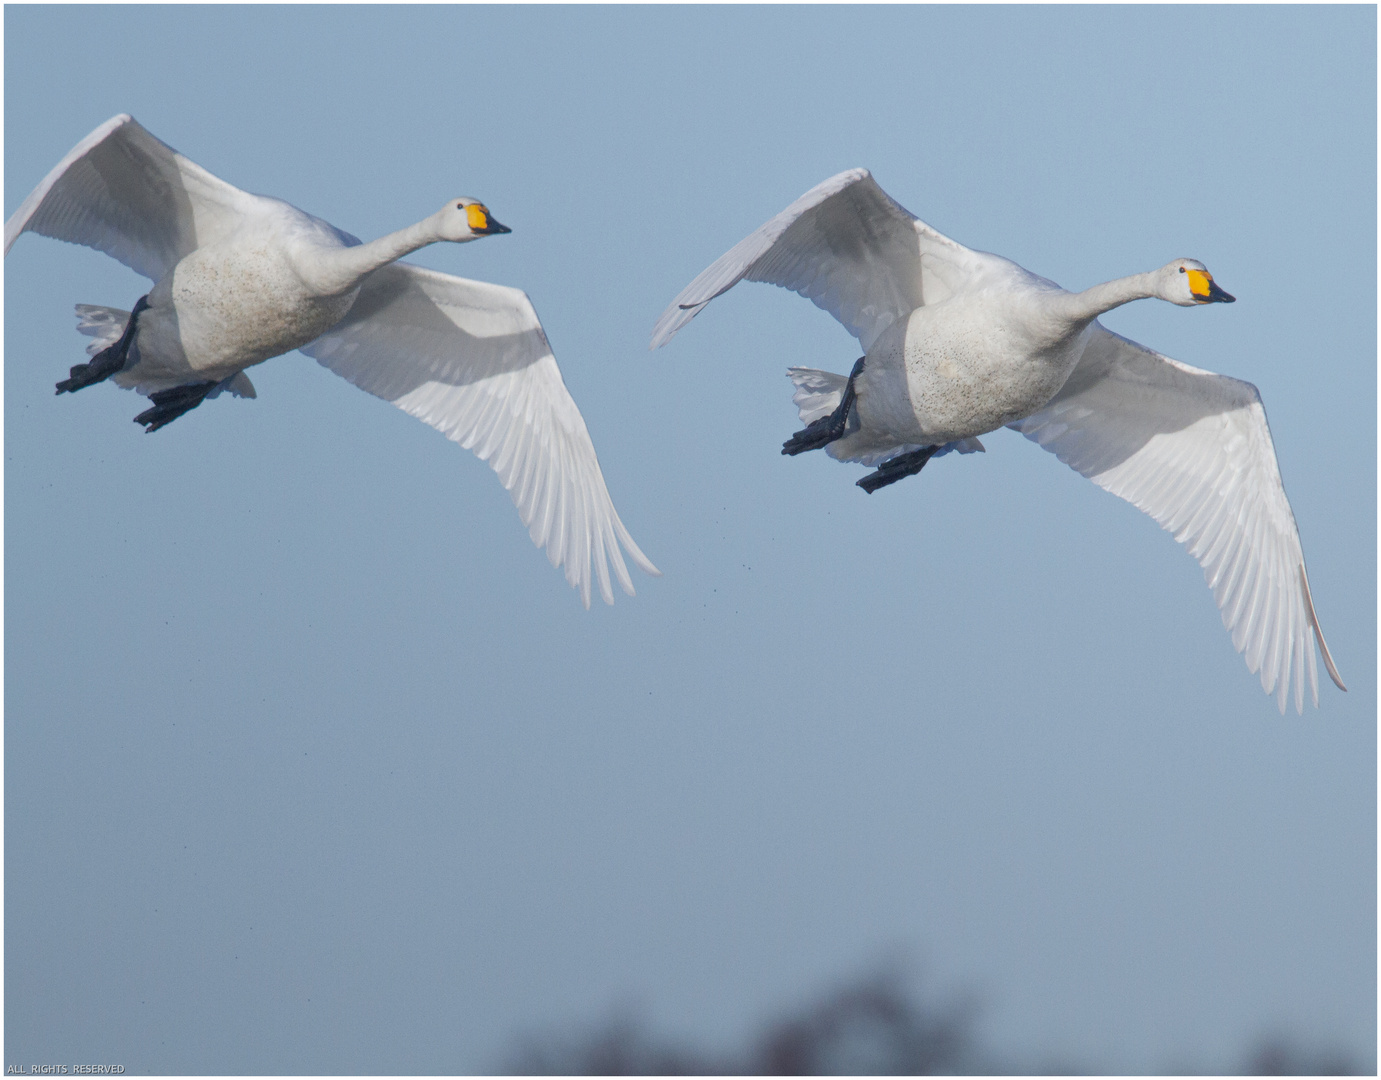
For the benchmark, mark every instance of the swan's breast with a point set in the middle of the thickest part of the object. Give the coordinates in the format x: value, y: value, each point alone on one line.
x: 240, y: 302
x: 963, y: 368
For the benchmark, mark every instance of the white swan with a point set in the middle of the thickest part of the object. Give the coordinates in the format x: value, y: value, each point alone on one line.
x: 240, y: 278
x: 959, y: 342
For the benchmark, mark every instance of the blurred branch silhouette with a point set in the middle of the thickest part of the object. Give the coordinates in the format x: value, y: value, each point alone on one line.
x: 1277, y: 1056
x: 869, y: 1026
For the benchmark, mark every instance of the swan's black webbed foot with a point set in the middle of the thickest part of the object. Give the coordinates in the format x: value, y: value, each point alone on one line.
x: 168, y: 405
x: 824, y: 431
x: 897, y: 468
x: 106, y: 362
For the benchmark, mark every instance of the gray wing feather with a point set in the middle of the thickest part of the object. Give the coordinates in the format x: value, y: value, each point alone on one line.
x: 471, y: 359
x: 122, y: 191
x: 845, y: 245
x: 1193, y: 450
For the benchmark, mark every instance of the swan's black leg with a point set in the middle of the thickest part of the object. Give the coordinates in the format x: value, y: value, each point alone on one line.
x: 168, y: 405
x: 824, y: 431
x: 106, y: 362
x: 897, y: 468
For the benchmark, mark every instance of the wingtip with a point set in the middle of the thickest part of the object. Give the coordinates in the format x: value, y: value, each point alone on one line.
x: 1318, y: 633
x: 670, y: 321
x: 631, y: 547
x: 608, y: 548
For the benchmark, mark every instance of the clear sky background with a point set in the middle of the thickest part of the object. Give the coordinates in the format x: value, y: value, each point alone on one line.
x: 313, y: 763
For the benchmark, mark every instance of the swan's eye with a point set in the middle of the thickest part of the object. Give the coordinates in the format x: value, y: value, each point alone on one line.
x: 477, y: 216
x: 1181, y: 269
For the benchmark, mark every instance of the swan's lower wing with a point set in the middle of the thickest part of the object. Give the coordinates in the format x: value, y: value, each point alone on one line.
x: 1193, y: 450
x: 846, y: 246
x: 471, y: 360
x: 122, y: 191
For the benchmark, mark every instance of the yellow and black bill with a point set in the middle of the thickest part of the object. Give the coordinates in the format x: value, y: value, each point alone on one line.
x: 1206, y: 290
x: 482, y: 222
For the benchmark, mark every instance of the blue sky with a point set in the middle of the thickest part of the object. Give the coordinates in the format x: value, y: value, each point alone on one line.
x: 314, y: 764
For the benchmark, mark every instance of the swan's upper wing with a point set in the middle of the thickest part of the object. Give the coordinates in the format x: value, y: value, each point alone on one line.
x: 122, y: 191
x: 1193, y: 450
x: 471, y: 360
x: 846, y: 246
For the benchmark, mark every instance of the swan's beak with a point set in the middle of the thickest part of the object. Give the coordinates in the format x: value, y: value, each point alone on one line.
x: 481, y: 222
x: 1205, y: 290
x: 1215, y: 294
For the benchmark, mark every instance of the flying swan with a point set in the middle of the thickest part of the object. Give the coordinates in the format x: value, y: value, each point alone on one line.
x: 958, y: 343
x: 240, y: 278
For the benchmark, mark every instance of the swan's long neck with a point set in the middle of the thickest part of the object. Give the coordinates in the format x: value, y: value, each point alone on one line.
x: 1084, y: 307
x: 338, y: 270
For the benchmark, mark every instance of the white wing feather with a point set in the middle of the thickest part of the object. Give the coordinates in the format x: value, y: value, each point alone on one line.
x: 846, y: 246
x: 471, y: 360
x: 124, y: 192
x: 1193, y: 450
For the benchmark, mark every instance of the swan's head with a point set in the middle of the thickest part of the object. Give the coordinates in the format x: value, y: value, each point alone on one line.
x: 1187, y: 282
x: 467, y: 219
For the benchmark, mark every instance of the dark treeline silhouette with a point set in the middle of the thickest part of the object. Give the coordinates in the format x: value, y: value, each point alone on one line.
x: 871, y: 1026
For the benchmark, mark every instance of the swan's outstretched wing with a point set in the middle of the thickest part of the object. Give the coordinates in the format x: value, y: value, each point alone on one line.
x: 122, y: 191
x: 846, y: 246
x: 472, y: 361
x: 1193, y: 450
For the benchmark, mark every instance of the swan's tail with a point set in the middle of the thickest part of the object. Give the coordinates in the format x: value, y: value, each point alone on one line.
x: 105, y: 324
x: 818, y: 393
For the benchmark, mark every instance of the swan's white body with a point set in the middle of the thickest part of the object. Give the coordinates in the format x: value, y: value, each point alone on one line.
x: 950, y: 371
x: 239, y: 301
x: 240, y: 278
x: 959, y: 343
